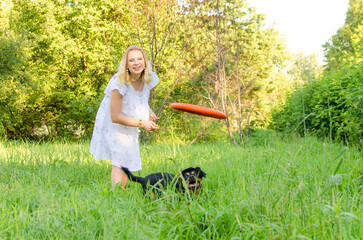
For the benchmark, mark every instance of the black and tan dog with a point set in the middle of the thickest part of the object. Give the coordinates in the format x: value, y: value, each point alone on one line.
x: 190, y: 178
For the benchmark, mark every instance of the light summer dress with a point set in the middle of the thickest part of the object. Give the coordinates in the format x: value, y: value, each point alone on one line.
x: 116, y: 142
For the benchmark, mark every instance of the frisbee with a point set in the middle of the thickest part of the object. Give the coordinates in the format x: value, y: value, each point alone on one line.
x: 195, y: 109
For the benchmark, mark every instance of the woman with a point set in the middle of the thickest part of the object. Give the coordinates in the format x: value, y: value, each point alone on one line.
x: 123, y: 110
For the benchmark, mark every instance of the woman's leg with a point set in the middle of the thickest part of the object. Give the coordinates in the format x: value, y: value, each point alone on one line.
x: 118, y: 176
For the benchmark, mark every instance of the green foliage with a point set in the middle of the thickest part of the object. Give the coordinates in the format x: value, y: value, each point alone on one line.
x: 65, y: 52
x: 347, y: 44
x: 19, y: 89
x: 304, y: 69
x: 243, y: 74
x: 333, y: 106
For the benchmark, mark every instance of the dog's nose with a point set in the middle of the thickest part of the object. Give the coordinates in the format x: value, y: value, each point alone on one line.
x: 191, y: 177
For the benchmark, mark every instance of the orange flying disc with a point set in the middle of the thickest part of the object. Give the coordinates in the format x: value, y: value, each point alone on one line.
x: 195, y: 109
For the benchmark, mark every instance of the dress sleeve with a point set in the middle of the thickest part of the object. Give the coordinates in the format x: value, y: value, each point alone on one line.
x: 115, y: 84
x: 154, y: 81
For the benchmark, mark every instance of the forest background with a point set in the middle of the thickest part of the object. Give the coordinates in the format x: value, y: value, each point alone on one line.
x: 57, y: 57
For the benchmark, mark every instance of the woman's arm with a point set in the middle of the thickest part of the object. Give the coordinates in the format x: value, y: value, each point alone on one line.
x: 117, y: 117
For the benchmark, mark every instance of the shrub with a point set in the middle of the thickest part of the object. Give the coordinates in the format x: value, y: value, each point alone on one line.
x: 330, y: 107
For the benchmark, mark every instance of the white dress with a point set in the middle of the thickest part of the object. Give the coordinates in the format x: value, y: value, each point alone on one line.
x: 116, y: 142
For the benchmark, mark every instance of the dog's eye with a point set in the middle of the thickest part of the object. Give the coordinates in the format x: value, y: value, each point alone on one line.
x: 193, y: 173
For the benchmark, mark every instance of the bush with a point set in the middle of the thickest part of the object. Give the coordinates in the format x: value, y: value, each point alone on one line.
x: 330, y: 107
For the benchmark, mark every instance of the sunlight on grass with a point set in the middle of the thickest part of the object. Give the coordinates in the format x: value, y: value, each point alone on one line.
x: 271, y: 188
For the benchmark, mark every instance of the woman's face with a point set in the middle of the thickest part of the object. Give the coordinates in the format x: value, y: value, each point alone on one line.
x: 135, y: 62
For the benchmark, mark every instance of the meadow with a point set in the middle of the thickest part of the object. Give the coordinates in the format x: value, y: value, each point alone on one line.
x: 272, y: 188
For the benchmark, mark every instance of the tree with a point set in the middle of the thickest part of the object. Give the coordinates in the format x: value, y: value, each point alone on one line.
x: 347, y: 44
x: 67, y: 51
x: 72, y: 49
x: 331, y: 106
x: 244, y: 60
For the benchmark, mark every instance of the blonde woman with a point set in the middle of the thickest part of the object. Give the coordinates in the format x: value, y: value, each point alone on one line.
x: 123, y: 110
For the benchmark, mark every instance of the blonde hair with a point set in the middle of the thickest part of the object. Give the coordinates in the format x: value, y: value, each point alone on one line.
x: 124, y: 76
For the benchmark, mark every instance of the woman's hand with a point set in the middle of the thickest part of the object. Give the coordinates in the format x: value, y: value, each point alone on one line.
x: 153, y: 116
x: 149, y: 126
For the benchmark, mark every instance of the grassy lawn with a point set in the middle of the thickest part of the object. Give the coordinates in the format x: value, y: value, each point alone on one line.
x: 272, y: 188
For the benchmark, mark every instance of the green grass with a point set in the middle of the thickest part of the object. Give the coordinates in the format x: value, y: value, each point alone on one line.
x: 272, y: 188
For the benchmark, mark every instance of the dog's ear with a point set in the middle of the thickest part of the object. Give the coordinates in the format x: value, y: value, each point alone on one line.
x: 200, y: 172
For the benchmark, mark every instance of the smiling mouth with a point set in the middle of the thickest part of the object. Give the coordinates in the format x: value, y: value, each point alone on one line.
x: 137, y: 68
x: 193, y: 185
